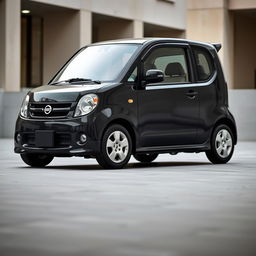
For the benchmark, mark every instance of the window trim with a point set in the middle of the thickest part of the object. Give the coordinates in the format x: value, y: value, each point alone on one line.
x: 128, y: 74
x: 212, y: 64
x: 183, y: 85
x: 188, y: 58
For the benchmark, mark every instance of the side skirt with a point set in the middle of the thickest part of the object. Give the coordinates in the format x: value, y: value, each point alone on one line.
x: 175, y: 149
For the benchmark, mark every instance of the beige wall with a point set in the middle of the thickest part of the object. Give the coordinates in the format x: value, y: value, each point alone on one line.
x: 67, y: 31
x: 85, y: 27
x: 10, y: 45
x: 205, y: 24
x: 160, y: 31
x: 210, y: 21
x: 241, y: 4
x: 138, y: 29
x: 245, y: 54
x: 233, y: 24
x: 163, y: 13
x: 107, y: 30
x: 143, y: 10
x: 206, y: 4
x: 2, y: 43
x: 169, y: 33
x: 69, y: 28
x: 61, y: 40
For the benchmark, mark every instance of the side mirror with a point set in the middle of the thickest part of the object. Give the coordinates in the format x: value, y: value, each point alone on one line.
x: 154, y: 76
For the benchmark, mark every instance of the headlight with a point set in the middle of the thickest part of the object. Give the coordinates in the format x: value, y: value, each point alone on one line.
x: 86, y: 104
x: 24, y: 107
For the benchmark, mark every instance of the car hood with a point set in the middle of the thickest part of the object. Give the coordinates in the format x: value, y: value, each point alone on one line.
x: 66, y: 92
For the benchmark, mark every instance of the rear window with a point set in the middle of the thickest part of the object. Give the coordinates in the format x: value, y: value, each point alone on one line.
x: 204, y: 64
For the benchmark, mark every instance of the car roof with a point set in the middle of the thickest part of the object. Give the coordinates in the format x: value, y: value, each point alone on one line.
x: 153, y: 40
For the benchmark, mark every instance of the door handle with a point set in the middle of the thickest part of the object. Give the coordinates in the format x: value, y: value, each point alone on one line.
x: 191, y: 94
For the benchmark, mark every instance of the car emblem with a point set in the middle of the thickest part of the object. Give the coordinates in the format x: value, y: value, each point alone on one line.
x: 47, y: 109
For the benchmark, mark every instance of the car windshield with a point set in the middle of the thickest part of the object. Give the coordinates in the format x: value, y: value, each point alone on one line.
x: 97, y: 63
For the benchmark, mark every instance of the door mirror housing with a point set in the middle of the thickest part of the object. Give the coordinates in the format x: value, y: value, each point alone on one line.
x: 154, y: 76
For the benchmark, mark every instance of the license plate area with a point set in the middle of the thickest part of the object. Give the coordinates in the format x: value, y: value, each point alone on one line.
x: 44, y: 139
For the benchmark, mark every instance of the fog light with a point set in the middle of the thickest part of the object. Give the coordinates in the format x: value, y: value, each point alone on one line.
x: 83, y: 138
x: 18, y: 138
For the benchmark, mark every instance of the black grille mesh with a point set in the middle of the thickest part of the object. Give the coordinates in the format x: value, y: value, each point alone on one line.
x: 59, y: 109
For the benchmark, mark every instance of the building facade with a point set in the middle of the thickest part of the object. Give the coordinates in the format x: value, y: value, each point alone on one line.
x: 233, y: 24
x: 38, y: 36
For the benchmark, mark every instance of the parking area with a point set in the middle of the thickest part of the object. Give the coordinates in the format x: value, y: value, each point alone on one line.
x: 177, y: 206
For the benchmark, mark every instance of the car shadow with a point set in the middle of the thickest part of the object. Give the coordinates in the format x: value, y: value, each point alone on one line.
x: 96, y: 167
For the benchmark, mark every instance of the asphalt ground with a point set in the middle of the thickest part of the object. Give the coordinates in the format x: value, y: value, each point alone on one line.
x: 177, y: 206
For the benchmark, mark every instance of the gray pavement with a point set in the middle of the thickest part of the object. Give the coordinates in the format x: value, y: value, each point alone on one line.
x: 178, y: 206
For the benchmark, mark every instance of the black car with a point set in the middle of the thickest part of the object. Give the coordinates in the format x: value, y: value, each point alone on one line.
x: 140, y: 96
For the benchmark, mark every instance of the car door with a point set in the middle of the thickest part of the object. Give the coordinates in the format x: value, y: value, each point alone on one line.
x: 168, y: 112
x: 209, y: 91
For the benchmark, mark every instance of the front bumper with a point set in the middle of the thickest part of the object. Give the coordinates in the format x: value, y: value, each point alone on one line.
x: 67, y: 135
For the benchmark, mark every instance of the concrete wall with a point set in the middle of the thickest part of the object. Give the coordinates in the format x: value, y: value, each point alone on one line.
x: 10, y: 103
x: 173, y: 14
x: 163, y: 13
x: 210, y: 21
x: 2, y: 43
x: 61, y: 40
x: 67, y: 26
x: 1, y: 113
x: 151, y: 30
x: 107, y: 30
x: 241, y: 4
x: 244, y: 54
x: 10, y: 45
x: 242, y: 105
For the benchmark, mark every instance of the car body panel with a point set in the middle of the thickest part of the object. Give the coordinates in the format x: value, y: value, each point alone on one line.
x: 160, y: 119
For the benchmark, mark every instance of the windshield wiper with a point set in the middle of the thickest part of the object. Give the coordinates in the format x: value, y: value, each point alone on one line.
x: 77, y: 80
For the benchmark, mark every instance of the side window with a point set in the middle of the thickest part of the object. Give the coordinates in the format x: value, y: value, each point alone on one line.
x: 204, y: 64
x: 133, y: 76
x: 172, y: 61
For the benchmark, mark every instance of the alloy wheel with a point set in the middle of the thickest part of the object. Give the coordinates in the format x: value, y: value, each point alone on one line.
x: 117, y: 146
x: 223, y: 143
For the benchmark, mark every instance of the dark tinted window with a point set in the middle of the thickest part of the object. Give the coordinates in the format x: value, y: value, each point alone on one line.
x: 98, y: 62
x: 170, y: 60
x: 204, y: 64
x: 133, y: 76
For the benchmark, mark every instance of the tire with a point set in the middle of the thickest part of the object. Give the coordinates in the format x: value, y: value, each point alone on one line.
x: 116, y: 148
x: 36, y: 160
x: 222, y: 145
x: 145, y: 158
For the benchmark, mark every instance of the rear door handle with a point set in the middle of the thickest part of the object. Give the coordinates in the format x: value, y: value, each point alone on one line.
x: 191, y: 94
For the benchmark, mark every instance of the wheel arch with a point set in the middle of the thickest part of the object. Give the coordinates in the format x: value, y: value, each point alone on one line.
x: 126, y: 124
x: 230, y: 124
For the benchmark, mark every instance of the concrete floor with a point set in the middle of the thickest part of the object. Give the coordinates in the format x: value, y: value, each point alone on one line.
x: 178, y: 206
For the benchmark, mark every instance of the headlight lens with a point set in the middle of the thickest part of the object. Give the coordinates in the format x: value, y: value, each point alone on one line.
x: 24, y: 107
x: 86, y: 104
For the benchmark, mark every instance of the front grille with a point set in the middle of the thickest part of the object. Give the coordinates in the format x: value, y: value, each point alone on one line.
x: 58, y: 109
x: 61, y: 139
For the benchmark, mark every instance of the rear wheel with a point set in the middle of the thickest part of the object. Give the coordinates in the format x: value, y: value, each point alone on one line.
x: 145, y: 158
x: 116, y: 148
x: 36, y: 160
x: 222, y: 145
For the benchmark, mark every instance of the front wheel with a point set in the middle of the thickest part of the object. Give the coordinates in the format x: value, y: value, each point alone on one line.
x: 36, y: 160
x: 222, y: 145
x: 116, y: 148
x: 145, y: 158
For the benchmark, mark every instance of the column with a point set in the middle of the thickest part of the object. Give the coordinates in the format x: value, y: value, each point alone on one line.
x: 138, y: 30
x: 210, y: 21
x: 11, y: 37
x: 85, y: 26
